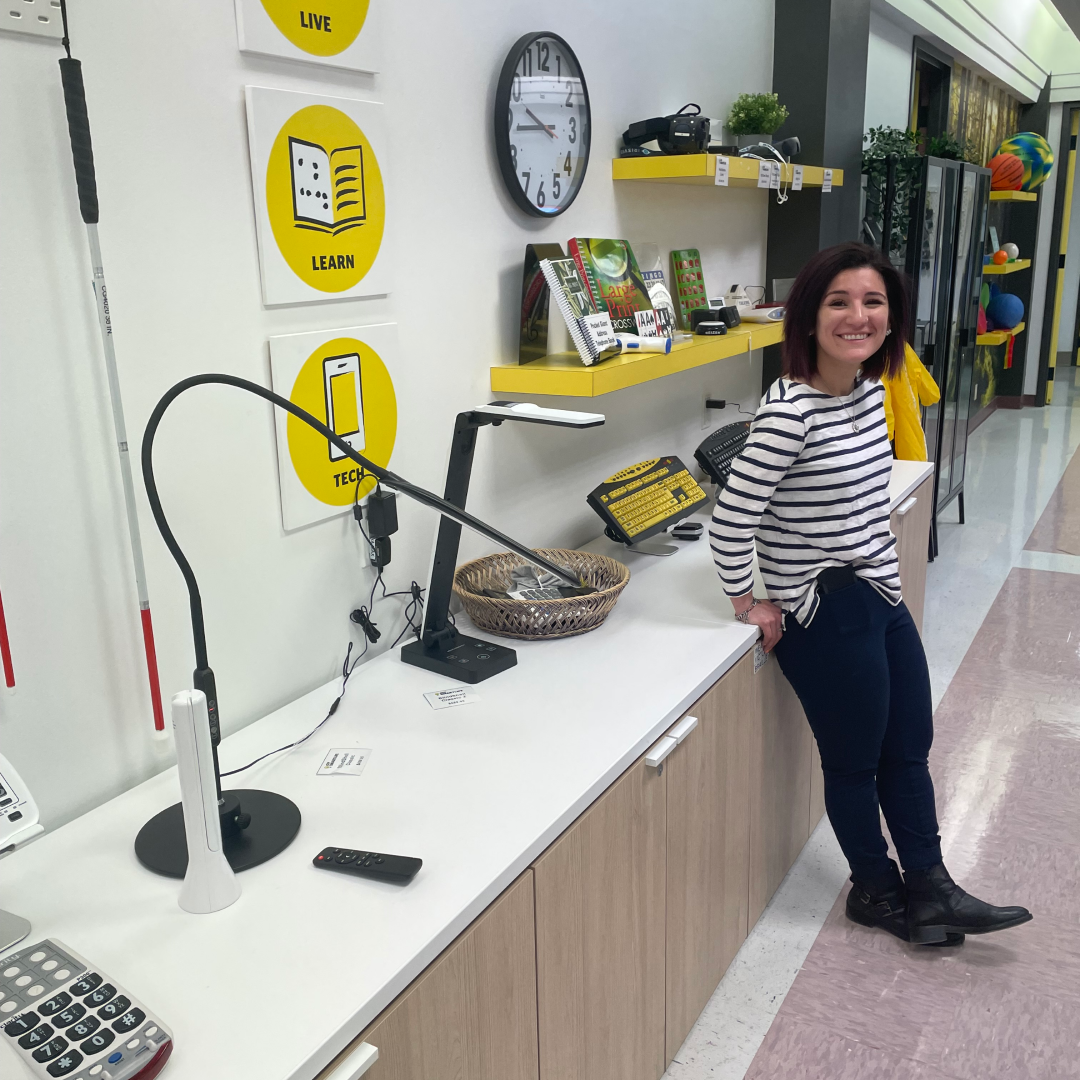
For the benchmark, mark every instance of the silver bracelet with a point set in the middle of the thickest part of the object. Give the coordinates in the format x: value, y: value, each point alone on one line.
x: 744, y: 616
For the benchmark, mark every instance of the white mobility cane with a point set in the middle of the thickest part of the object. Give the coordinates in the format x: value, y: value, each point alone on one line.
x: 82, y: 155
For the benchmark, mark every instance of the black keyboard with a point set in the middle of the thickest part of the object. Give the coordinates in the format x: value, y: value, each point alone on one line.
x: 721, y: 448
x: 646, y: 498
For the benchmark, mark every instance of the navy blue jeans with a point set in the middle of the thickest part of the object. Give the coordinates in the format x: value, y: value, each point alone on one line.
x: 860, y: 672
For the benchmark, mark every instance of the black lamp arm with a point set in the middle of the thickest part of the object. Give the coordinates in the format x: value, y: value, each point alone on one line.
x: 384, y: 476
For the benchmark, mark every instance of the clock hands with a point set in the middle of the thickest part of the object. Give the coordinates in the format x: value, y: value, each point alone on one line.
x: 539, y: 125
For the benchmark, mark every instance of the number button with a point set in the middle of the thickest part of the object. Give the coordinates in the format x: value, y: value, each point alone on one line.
x: 51, y: 1050
x: 101, y: 995
x: 84, y: 1027
x: 96, y: 1043
x: 129, y: 1021
x: 86, y: 984
x: 69, y: 1016
x: 21, y: 1024
x: 67, y: 1064
x: 55, y: 1004
x: 117, y: 1007
x: 36, y: 1037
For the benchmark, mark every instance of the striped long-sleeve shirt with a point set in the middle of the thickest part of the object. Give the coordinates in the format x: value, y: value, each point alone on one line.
x: 813, y: 492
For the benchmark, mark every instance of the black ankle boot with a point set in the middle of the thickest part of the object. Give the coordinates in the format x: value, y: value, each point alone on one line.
x: 937, y: 906
x: 881, y: 903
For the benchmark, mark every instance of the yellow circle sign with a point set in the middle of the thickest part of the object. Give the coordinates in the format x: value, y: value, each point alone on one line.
x: 345, y: 384
x: 326, y: 32
x: 324, y: 198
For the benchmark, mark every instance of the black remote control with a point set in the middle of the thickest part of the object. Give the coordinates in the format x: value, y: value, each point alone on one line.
x: 395, y: 868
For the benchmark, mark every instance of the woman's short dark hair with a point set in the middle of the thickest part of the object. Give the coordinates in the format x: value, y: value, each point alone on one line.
x: 804, y: 301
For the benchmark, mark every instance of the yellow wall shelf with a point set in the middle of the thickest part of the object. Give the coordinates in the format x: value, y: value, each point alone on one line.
x: 701, y: 169
x: 1014, y: 196
x: 1007, y: 268
x: 999, y: 337
x: 564, y: 375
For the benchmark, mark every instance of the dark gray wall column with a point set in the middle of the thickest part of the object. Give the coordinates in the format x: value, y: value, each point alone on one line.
x: 819, y: 73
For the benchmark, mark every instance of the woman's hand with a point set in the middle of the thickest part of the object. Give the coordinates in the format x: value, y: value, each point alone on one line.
x: 765, y: 614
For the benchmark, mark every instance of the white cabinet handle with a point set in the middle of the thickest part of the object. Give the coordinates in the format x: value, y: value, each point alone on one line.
x: 683, y: 728
x: 654, y: 758
x: 906, y: 505
x: 356, y: 1064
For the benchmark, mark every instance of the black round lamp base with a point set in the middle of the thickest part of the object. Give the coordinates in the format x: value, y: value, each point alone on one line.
x: 161, y: 845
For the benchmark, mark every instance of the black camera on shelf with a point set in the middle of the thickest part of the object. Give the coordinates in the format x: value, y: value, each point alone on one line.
x: 728, y: 317
x: 683, y: 132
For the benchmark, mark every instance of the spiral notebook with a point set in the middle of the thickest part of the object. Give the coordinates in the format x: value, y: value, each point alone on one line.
x: 590, y: 330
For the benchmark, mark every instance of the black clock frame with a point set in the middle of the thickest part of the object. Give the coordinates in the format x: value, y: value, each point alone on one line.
x: 502, y: 133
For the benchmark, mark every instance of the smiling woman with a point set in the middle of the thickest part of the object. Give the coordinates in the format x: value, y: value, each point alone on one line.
x: 810, y: 491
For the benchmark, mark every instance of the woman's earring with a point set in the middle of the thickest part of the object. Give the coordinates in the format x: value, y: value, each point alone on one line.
x: 888, y: 332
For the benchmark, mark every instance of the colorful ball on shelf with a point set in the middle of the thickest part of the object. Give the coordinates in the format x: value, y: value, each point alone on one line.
x: 1001, y: 258
x: 1006, y: 172
x: 1011, y: 250
x: 1035, y: 155
x: 981, y: 326
x: 1005, y: 310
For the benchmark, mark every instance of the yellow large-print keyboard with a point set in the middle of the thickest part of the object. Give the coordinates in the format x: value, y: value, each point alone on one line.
x: 644, y: 499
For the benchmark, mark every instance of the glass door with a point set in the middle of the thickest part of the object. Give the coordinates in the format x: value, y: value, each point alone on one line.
x: 931, y: 239
x: 976, y: 180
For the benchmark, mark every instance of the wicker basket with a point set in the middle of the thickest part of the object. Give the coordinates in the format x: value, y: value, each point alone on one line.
x: 531, y: 619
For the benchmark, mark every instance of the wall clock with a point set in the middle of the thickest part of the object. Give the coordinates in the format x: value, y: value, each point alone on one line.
x: 542, y: 124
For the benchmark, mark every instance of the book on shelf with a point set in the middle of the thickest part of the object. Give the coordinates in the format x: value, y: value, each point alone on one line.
x: 613, y: 278
x: 689, y: 284
x: 590, y: 329
x: 533, y: 323
x: 660, y: 322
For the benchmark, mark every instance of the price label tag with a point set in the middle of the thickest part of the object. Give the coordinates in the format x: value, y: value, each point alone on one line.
x: 722, y: 171
x: 796, y: 178
x: 776, y: 173
x: 344, y: 761
x: 448, y: 699
x: 826, y: 183
x: 761, y: 657
x: 764, y: 174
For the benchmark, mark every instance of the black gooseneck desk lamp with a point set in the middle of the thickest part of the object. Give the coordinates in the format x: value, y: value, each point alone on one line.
x: 441, y: 647
x: 257, y: 825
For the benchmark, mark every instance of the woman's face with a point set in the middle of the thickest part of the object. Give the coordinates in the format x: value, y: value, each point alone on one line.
x: 853, y: 317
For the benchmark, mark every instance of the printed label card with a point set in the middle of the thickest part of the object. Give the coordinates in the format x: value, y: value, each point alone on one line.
x: 449, y: 699
x: 344, y: 761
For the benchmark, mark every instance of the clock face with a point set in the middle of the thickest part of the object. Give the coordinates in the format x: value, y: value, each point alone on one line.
x: 542, y: 124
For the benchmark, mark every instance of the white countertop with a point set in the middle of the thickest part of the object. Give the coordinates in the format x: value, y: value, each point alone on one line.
x: 275, y: 986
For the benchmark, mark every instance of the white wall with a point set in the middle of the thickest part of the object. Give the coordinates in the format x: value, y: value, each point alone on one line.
x: 888, y: 74
x: 165, y: 92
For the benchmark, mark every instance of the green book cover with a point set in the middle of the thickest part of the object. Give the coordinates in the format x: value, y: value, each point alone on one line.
x: 614, y: 279
x: 689, y: 284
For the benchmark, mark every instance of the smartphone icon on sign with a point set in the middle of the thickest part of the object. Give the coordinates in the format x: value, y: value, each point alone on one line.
x: 344, y: 402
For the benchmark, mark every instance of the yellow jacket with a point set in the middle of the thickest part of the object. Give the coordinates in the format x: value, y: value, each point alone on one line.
x: 914, y: 386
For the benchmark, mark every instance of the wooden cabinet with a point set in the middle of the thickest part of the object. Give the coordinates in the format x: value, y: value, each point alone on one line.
x: 817, y: 787
x: 472, y: 1014
x: 600, y: 937
x: 781, y: 756
x: 910, y: 523
x: 708, y: 848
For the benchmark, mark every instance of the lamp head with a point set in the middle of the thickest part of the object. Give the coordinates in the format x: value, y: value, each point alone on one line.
x: 537, y: 414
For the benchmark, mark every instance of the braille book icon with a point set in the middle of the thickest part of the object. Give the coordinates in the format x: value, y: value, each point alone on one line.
x: 327, y: 188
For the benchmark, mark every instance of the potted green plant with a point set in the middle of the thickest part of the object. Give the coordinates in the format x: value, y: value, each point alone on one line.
x: 754, y: 117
